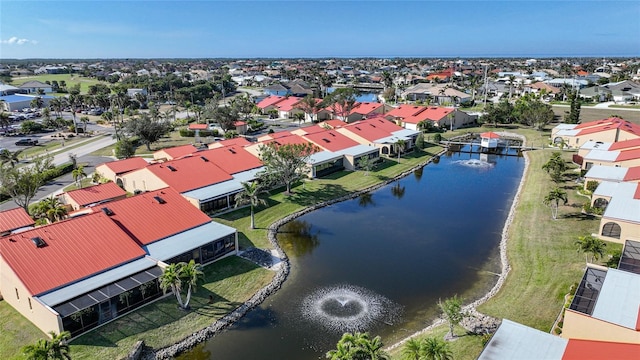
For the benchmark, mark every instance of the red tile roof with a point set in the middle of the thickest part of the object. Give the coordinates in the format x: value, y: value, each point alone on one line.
x: 178, y: 151
x: 383, y: 123
x: 14, y: 219
x: 147, y: 220
x: 588, y: 349
x: 270, y: 100
x: 198, y: 126
x: 624, y: 144
x: 291, y: 140
x: 232, y: 159
x: 331, y: 140
x: 126, y: 165
x: 334, y: 123
x: 405, y: 111
x: 633, y: 173
x: 288, y: 104
x: 239, y: 141
x: 75, y: 249
x: 367, y: 131
x: 94, y: 194
x: 636, y: 195
x: 189, y: 173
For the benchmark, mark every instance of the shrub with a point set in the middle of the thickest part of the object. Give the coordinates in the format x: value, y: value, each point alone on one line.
x: 592, y: 185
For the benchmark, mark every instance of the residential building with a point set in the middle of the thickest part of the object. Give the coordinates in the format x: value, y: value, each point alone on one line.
x: 113, y: 169
x: 14, y: 220
x: 607, y: 130
x: 621, y: 218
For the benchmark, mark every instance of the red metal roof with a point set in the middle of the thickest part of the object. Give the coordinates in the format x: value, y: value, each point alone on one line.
x: 177, y: 151
x: 367, y: 131
x: 310, y: 129
x: 591, y: 350
x: 290, y: 140
x: 383, y: 124
x: 489, y: 135
x: 270, y: 100
x: 405, y: 111
x: 628, y: 155
x: 334, y: 123
x: 625, y: 144
x: 633, y: 173
x: 366, y: 108
x: 147, y: 220
x: 239, y: 141
x: 94, y: 194
x: 14, y: 219
x: 126, y: 165
x: 331, y: 140
x: 232, y: 159
x: 75, y: 249
x: 189, y: 173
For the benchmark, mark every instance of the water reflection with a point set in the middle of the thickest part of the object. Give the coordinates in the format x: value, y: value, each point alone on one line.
x: 365, y: 200
x: 417, y: 174
x: 299, y: 236
x: 398, y: 190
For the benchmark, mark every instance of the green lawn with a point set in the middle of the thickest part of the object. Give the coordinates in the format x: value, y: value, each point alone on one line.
x: 171, y: 140
x: 70, y: 79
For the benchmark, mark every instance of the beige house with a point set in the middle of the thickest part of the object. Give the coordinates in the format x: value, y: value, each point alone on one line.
x: 113, y: 169
x: 608, y: 130
x: 92, y: 195
x: 621, y: 218
x: 174, y: 152
x: 602, y: 173
x: 605, y: 307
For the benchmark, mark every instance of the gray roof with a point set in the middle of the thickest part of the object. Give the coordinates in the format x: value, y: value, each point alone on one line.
x: 619, y: 299
x: 595, y: 145
x: 565, y: 126
x: 358, y: 150
x: 616, y: 189
x: 606, y: 173
x: 322, y: 157
x: 177, y: 244
x: 516, y: 341
x: 623, y: 208
x: 602, y: 155
x: 94, y: 282
x: 567, y: 132
x: 225, y: 187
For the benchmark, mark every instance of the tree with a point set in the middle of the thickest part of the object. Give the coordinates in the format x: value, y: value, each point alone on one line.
x: 420, y: 141
x: 412, y: 349
x: 309, y: 105
x: 573, y: 116
x: 533, y: 112
x: 85, y: 121
x: 299, y: 117
x: 555, y: 166
x: 22, y: 184
x: 435, y: 349
x: 37, y: 102
x: 285, y: 163
x: 366, y: 164
x: 452, y: 312
x: 589, y: 244
x: 170, y: 279
x: 55, y: 349
x: 49, y: 208
x: 5, y: 121
x: 250, y: 195
x: 358, y: 346
x: 147, y: 129
x: 11, y: 157
x: 78, y: 174
x: 124, y: 148
x: 553, y: 198
x: 341, y: 102
x: 179, y: 276
x: 400, y: 146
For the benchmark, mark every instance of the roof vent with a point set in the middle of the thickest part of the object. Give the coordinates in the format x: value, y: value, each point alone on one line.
x: 107, y: 211
x: 38, y: 242
x: 332, y: 134
x: 357, y: 128
x: 232, y: 151
x: 159, y: 200
x: 325, y: 140
x: 171, y: 168
x: 204, y: 159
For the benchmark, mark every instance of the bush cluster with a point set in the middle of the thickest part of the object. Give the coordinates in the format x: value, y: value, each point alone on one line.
x: 203, y: 133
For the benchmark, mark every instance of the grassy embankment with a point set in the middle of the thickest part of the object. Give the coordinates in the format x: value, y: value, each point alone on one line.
x: 69, y: 79
x: 231, y: 281
x: 541, y: 251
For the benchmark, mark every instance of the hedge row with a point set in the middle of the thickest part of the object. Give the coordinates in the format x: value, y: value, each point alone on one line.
x: 203, y: 133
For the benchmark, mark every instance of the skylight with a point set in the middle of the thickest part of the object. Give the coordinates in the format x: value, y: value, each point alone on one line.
x: 204, y: 159
x: 107, y: 211
x: 171, y: 168
x: 38, y: 242
x: 159, y: 200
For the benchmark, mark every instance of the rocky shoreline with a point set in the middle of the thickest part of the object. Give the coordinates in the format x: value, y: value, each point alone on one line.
x: 483, y: 322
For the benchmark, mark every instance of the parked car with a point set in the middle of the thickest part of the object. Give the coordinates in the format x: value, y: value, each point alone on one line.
x: 27, y: 142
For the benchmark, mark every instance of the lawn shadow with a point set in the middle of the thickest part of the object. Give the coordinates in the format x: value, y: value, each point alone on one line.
x: 578, y: 216
x: 327, y: 192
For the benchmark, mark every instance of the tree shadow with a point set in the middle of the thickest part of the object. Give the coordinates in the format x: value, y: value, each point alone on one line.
x: 327, y: 192
x: 578, y: 216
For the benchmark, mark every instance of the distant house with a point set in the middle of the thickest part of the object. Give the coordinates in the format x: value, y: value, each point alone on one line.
x: 14, y: 219
x: 33, y: 86
x: 277, y: 90
x: 92, y: 195
x: 175, y: 152
x: 607, y: 130
x: 113, y: 169
x: 18, y: 102
x: 409, y: 117
x: 621, y: 218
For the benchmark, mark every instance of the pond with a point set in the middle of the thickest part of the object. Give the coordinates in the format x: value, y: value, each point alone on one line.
x: 380, y: 262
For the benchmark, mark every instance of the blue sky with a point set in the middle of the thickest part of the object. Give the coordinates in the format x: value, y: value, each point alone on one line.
x: 210, y: 29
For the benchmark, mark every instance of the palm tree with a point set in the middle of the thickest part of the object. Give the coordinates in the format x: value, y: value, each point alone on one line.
x: 412, y: 349
x: 299, y: 117
x: 435, y: 349
x: 190, y: 275
x: 555, y: 166
x: 11, y: 157
x: 54, y: 349
x: 553, y: 200
x: 78, y: 174
x: 589, y: 244
x: 250, y: 195
x: 358, y: 346
x: 50, y: 208
x: 4, y: 120
x: 372, y: 349
x: 400, y: 145
x: 170, y: 279
x: 452, y: 311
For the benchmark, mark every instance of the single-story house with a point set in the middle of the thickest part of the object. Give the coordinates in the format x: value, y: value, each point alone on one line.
x: 621, y: 218
x: 113, y: 169
x: 33, y: 86
x: 18, y: 102
x: 14, y: 220
x: 607, y: 130
x: 409, y: 116
x: 602, y: 173
x: 92, y: 195
x: 175, y: 152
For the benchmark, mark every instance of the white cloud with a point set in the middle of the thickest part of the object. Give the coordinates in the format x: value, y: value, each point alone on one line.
x: 17, y: 41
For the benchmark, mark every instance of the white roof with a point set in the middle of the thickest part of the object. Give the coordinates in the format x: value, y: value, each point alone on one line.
x: 616, y: 189
x: 177, y: 244
x: 623, y: 208
x: 606, y: 173
x: 225, y: 187
x: 593, y: 145
x: 322, y: 157
x: 358, y: 150
x: 602, y: 155
x: 565, y: 127
x: 516, y: 341
x: 619, y: 299
x: 567, y: 132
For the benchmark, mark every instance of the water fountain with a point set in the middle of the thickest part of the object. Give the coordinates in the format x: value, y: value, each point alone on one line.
x: 475, y: 163
x: 348, y: 308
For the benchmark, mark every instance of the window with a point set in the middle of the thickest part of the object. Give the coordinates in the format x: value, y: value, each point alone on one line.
x: 611, y: 229
x: 17, y: 294
x: 30, y: 307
